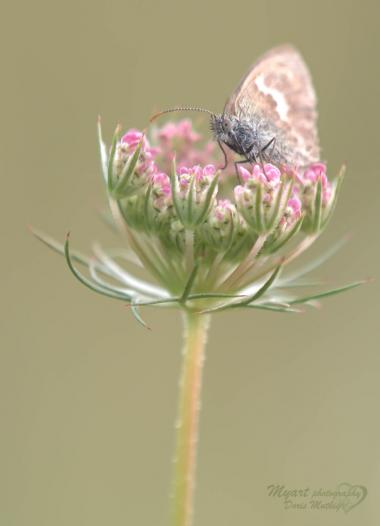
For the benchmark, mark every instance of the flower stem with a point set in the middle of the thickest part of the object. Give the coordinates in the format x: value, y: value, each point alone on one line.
x: 187, y: 422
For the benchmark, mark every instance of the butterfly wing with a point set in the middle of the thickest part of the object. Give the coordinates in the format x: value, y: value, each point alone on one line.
x: 278, y: 87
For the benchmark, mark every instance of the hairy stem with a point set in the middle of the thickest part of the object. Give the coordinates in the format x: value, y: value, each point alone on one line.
x: 188, y: 415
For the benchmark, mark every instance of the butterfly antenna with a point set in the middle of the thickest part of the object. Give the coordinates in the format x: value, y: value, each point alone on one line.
x: 156, y: 115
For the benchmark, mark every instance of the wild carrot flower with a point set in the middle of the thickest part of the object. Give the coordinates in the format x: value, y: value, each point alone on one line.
x: 209, y: 242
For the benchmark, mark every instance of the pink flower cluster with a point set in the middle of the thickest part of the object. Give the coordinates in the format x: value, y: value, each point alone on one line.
x: 309, y: 179
x: 303, y: 191
x: 284, y: 195
x: 223, y: 212
x: 178, y: 130
x: 269, y: 178
x: 161, y: 184
x: 127, y: 146
x: 179, y: 140
x: 223, y: 209
x: 174, y: 140
x: 203, y: 176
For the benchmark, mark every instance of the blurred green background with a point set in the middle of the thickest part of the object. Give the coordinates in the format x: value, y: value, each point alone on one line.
x: 87, y: 397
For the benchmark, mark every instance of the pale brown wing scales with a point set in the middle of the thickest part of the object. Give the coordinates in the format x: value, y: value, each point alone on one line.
x: 279, y: 88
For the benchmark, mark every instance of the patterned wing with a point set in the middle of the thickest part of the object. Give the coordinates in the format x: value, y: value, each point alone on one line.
x: 278, y: 87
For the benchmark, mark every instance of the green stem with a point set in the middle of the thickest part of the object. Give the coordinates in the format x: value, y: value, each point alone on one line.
x: 188, y: 414
x: 189, y: 249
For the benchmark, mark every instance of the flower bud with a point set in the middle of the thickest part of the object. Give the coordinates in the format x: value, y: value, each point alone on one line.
x: 317, y: 195
x: 193, y: 190
x: 263, y: 198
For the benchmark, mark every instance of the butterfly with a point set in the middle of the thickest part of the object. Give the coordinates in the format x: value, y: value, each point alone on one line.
x: 271, y: 116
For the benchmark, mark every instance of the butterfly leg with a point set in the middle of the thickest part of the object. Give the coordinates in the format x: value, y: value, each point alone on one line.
x: 272, y: 143
x: 225, y: 156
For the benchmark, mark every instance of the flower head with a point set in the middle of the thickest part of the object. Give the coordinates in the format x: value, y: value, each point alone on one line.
x: 210, y: 242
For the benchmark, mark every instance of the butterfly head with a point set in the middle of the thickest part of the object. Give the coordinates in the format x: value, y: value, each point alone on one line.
x: 239, y: 135
x: 223, y: 126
